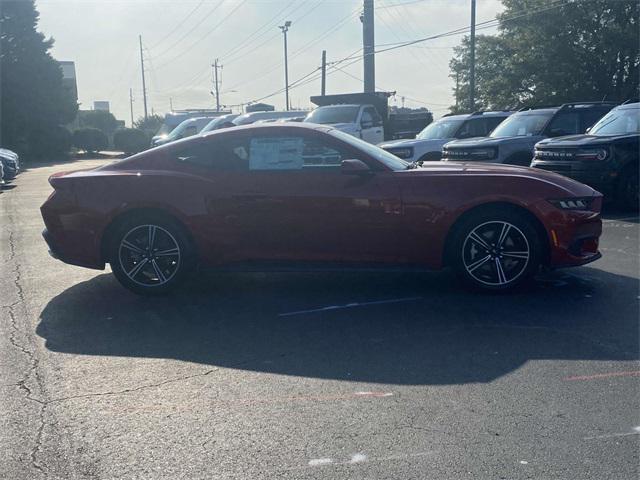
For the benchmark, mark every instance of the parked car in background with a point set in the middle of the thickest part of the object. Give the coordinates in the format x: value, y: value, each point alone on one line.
x: 176, y: 117
x: 186, y: 129
x: 427, y: 146
x: 606, y: 158
x: 306, y: 196
x: 225, y: 121
x: 513, y: 141
x: 367, y: 116
x: 249, y: 118
x: 10, y: 162
x: 360, y: 121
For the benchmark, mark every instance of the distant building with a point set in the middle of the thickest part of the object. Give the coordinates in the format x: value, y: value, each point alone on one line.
x: 101, y: 105
x: 69, y: 77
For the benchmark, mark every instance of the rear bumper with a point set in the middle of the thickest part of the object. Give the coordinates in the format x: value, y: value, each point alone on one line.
x: 59, y: 254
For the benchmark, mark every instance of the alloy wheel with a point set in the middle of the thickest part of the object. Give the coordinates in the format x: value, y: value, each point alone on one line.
x: 149, y: 255
x: 496, y: 253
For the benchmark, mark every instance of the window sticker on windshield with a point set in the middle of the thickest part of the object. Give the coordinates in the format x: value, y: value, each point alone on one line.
x: 275, y: 154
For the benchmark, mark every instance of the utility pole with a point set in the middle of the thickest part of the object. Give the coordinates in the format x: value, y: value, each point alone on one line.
x: 368, y: 44
x: 472, y: 70
x: 215, y: 83
x: 131, y: 104
x: 457, y: 88
x: 285, y: 29
x: 144, y: 85
x: 170, y: 104
x: 323, y: 88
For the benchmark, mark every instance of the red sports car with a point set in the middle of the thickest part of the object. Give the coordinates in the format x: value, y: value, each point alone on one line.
x: 310, y: 197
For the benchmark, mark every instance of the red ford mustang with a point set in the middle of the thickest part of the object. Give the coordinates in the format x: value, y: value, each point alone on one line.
x: 306, y: 196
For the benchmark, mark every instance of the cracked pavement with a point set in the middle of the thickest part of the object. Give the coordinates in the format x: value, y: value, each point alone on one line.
x: 214, y: 382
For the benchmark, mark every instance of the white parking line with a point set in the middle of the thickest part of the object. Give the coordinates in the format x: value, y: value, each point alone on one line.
x: 636, y: 431
x: 348, y: 305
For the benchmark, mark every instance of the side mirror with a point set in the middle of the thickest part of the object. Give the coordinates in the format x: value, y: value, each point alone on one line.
x: 354, y: 167
x: 587, y: 130
x: 366, y: 124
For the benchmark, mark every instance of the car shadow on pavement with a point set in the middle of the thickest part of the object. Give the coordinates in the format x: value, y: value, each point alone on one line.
x: 424, y: 329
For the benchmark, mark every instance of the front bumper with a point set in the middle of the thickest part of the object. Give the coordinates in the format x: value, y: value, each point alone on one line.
x: 57, y: 252
x: 573, y: 235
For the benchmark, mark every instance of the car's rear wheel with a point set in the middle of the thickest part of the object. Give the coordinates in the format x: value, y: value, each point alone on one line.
x: 150, y: 255
x: 496, y: 250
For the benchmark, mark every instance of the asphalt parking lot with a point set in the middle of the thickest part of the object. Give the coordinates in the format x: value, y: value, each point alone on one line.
x: 251, y: 376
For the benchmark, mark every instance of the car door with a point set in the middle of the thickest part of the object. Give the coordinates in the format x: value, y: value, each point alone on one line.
x: 371, y: 127
x: 286, y: 198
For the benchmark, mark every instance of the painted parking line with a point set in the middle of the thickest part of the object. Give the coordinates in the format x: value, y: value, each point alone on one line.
x: 306, y: 398
x: 632, y: 373
x: 349, y: 305
x: 358, y: 458
x: 636, y: 431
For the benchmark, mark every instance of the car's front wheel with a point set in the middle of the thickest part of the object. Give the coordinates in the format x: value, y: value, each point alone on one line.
x: 150, y: 255
x: 496, y: 250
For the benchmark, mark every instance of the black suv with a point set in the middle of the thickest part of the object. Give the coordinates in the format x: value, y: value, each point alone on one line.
x: 513, y: 140
x: 606, y: 158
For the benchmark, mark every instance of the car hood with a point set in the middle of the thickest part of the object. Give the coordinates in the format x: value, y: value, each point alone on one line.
x: 582, y: 140
x: 569, y: 186
x: 486, y: 142
x: 414, y: 142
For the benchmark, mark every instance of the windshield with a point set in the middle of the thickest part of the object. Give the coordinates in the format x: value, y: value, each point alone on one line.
x: 164, y: 130
x: 217, y: 122
x: 388, y: 159
x: 522, y: 125
x: 337, y: 114
x: 440, y: 129
x: 179, y: 130
x: 618, y: 122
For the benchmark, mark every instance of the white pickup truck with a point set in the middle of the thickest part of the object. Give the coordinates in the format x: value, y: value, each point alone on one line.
x: 361, y: 121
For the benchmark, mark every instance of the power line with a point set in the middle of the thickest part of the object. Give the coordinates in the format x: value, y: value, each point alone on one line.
x: 175, y: 29
x: 202, y: 20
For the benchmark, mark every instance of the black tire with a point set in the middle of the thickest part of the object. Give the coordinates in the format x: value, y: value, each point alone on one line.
x: 627, y: 196
x: 150, y: 271
x: 476, y: 260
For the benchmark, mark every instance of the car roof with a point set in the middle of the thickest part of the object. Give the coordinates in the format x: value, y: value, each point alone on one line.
x: 482, y: 114
x: 535, y: 111
x: 629, y: 106
x: 343, y: 105
x: 270, y: 126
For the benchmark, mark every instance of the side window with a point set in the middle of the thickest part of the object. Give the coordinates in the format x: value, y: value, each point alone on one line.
x: 493, y: 122
x: 292, y: 153
x: 377, y: 119
x: 473, y: 128
x: 564, y: 124
x: 590, y: 117
x: 231, y: 154
x: 367, y: 120
x: 190, y: 131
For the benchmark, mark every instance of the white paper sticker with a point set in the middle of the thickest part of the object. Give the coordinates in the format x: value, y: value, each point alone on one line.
x: 279, y: 153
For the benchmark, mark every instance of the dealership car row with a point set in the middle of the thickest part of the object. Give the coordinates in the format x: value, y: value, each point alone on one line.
x: 593, y: 142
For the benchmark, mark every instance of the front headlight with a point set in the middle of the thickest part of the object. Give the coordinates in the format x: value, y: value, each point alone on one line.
x: 483, y: 153
x: 592, y: 154
x: 578, y: 203
x: 406, y: 152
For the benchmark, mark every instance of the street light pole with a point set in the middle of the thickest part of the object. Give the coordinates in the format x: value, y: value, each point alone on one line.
x: 285, y: 29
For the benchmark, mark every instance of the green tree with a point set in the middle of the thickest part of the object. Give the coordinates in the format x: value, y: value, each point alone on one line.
x: 33, y: 100
x: 550, y: 53
x: 100, y: 119
x: 151, y: 124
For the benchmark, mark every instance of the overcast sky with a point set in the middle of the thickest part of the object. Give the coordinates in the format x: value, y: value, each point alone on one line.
x: 181, y: 38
